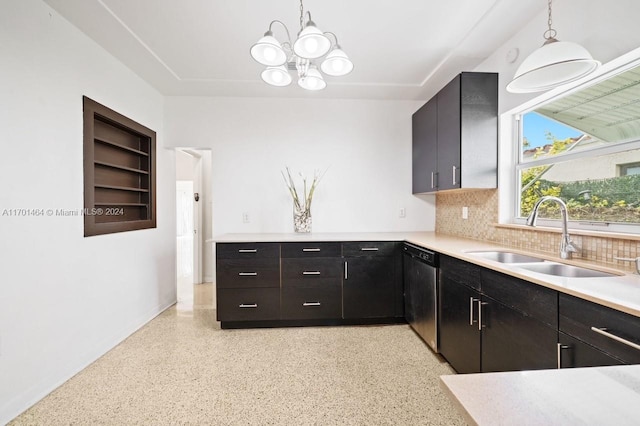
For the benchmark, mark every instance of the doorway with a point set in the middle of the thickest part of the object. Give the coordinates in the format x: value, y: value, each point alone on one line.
x: 193, y: 206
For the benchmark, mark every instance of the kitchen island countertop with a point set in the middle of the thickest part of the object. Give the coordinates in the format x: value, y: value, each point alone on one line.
x: 572, y: 396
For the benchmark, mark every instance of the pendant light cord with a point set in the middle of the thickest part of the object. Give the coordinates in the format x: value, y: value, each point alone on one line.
x: 550, y: 34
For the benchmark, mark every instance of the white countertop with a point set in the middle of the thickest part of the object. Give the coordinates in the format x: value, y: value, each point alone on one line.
x: 572, y: 396
x: 620, y: 292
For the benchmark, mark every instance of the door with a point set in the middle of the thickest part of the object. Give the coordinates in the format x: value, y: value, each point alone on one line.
x: 513, y: 341
x: 368, y: 287
x: 448, y: 125
x: 575, y: 353
x: 459, y: 334
x: 424, y: 125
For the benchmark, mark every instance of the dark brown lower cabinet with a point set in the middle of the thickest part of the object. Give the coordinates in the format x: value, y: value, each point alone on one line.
x: 575, y: 353
x: 513, y: 341
x: 485, y: 326
x: 615, y: 334
x: 459, y: 333
x: 248, y: 304
x: 369, y: 287
x: 311, y: 303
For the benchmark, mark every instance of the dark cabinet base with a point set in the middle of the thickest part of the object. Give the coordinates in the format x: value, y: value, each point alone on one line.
x: 228, y: 325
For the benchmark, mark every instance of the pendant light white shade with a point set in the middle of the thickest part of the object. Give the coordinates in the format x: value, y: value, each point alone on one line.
x: 311, y: 42
x: 337, y: 63
x: 268, y: 51
x: 554, y: 64
x: 276, y: 76
x: 312, y: 80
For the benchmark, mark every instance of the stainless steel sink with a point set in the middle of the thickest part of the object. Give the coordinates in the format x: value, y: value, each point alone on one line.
x: 505, y: 256
x: 562, y: 270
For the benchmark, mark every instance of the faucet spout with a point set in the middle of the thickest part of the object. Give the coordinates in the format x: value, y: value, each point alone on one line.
x: 566, y: 246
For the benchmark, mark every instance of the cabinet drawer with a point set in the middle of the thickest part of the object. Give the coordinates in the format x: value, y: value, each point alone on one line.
x: 460, y: 271
x: 578, y: 316
x: 370, y: 248
x: 248, y: 304
x: 247, y: 273
x: 317, y: 270
x: 247, y: 250
x: 311, y: 303
x: 531, y: 299
x: 310, y: 249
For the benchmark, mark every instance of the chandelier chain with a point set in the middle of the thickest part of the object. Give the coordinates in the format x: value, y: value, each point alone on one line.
x: 301, y: 16
x: 550, y: 33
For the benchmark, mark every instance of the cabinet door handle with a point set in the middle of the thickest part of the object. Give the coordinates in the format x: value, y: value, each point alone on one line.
x: 311, y: 273
x: 248, y: 251
x: 310, y: 249
x: 453, y: 172
x: 247, y: 274
x: 560, y: 348
x: 311, y: 304
x: 369, y: 249
x: 480, y: 305
x: 432, y: 173
x: 472, y: 301
x: 604, y: 332
x: 346, y: 270
x: 248, y: 305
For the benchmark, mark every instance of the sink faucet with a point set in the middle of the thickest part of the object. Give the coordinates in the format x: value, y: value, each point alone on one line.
x: 566, y: 246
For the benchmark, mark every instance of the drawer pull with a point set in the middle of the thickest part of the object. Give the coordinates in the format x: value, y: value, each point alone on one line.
x: 248, y: 305
x: 247, y: 274
x: 310, y: 249
x: 369, y: 249
x: 311, y: 304
x: 311, y: 273
x: 605, y: 333
x: 248, y: 251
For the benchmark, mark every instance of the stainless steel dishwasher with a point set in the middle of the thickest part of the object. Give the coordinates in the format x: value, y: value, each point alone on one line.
x: 421, y: 292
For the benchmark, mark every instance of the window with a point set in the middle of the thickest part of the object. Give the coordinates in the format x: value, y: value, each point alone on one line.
x: 584, y: 147
x: 119, y: 172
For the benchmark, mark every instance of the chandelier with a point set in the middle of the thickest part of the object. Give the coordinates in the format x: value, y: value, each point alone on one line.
x: 302, y: 56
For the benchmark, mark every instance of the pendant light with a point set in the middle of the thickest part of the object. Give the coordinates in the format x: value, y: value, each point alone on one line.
x: 311, y: 45
x: 552, y: 65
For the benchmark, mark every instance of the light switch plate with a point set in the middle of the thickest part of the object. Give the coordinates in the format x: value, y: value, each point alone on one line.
x: 465, y: 212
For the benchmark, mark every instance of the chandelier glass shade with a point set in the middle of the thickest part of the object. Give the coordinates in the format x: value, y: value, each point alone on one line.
x: 552, y: 65
x: 312, y: 46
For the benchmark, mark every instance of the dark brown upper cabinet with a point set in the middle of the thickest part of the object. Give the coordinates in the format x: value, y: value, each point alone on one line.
x: 119, y: 172
x: 455, y: 136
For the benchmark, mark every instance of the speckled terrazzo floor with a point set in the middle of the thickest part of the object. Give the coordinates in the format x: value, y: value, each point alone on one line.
x: 181, y: 368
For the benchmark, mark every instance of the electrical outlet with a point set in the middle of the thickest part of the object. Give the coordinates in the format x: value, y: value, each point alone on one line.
x: 245, y: 217
x: 402, y: 212
x: 465, y: 212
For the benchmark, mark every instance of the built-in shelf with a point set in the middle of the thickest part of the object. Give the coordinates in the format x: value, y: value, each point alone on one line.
x: 117, y: 145
x: 116, y: 166
x: 121, y: 204
x: 121, y: 188
x: 119, y: 171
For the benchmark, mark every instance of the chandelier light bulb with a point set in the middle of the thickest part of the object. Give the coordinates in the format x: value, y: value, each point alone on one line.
x: 268, y: 51
x: 312, y: 80
x: 311, y: 42
x: 337, y: 63
x: 276, y: 76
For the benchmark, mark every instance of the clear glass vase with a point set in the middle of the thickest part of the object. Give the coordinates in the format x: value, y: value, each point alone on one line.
x: 301, y: 220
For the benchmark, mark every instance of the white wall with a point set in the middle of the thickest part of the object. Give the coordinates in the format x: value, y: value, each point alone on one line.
x: 66, y: 299
x: 365, y: 145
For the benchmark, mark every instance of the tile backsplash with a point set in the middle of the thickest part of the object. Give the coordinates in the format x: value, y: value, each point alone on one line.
x: 483, y: 215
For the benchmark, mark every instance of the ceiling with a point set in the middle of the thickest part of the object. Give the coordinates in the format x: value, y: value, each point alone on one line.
x: 201, y: 47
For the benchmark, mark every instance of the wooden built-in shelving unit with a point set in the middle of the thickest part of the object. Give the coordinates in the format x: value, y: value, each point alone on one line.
x: 119, y: 172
